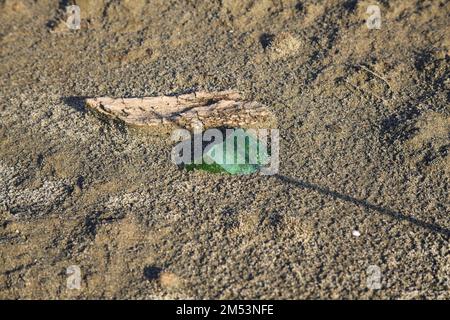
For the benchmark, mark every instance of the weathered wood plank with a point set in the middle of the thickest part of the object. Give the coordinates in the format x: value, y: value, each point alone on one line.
x: 190, y: 111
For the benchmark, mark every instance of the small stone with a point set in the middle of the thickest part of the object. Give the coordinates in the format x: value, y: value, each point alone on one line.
x: 356, y: 233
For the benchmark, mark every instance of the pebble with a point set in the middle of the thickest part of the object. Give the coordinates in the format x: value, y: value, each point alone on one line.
x: 356, y: 233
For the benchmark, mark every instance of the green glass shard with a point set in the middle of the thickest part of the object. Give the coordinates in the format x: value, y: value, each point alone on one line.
x: 214, y: 168
x: 240, y: 153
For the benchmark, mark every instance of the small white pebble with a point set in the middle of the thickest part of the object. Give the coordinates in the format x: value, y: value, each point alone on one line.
x: 356, y: 233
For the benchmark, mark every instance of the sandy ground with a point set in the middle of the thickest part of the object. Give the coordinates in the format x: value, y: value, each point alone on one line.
x: 364, y: 119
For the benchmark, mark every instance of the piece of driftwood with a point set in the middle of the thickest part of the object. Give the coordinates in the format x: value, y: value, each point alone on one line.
x: 198, y: 110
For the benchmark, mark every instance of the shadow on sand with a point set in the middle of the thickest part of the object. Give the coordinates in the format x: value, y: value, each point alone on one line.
x: 367, y: 205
